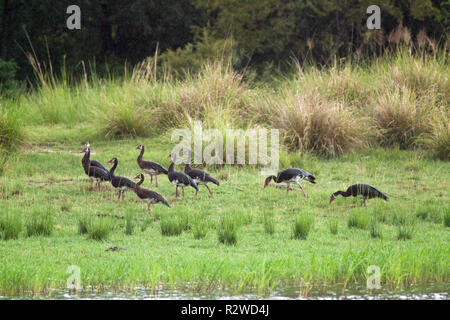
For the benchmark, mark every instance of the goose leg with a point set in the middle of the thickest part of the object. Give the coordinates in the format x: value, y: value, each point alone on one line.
x: 301, y: 188
x: 176, y: 193
x: 156, y: 179
x: 123, y: 195
x: 287, y: 189
x: 118, y: 197
x: 182, y: 187
x: 210, y: 192
x: 196, y: 192
x: 149, y: 210
x: 151, y: 179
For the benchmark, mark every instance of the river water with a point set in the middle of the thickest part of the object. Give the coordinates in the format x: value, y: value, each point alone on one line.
x: 352, y: 292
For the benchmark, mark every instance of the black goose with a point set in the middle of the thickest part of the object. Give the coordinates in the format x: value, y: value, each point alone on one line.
x: 121, y: 184
x: 148, y: 196
x: 365, y: 191
x: 96, y: 174
x: 179, y: 179
x: 150, y: 167
x: 200, y: 177
x: 291, y: 175
x: 93, y: 163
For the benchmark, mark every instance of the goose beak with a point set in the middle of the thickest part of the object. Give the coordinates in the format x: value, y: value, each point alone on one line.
x: 138, y: 147
x: 83, y: 151
x: 332, y: 198
x: 137, y: 177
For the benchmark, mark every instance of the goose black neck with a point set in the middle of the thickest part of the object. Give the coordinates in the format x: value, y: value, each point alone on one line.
x: 140, y: 182
x: 171, y: 167
x: 187, y: 167
x: 342, y: 193
x: 111, y: 171
x: 86, y: 157
x: 141, y: 155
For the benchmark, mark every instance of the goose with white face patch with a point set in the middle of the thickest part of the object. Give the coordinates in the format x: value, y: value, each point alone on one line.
x: 179, y: 179
x: 291, y: 175
x: 121, y: 184
x: 150, y: 167
x: 96, y: 174
x: 148, y: 196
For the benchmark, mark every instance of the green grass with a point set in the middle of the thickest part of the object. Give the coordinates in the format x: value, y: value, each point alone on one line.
x: 40, y: 224
x: 303, y: 224
x: 244, y: 237
x: 10, y: 225
x: 227, y: 229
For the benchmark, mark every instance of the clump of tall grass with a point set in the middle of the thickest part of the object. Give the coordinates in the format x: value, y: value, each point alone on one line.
x: 129, y: 223
x: 269, y: 223
x: 405, y: 232
x: 125, y: 120
x: 41, y: 223
x: 333, y: 226
x: 309, y: 122
x: 99, y: 229
x: 171, y: 226
x: 199, y: 227
x: 146, y: 223
x: 399, y: 118
x: 11, y: 131
x: 10, y: 226
x: 83, y: 224
x: 357, y: 219
x: 227, y: 230
x: 447, y: 218
x: 375, y: 229
x: 303, y: 224
x: 438, y: 140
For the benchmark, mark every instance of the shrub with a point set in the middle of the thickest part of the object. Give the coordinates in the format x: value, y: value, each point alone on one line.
x: 10, y: 226
x: 227, y: 230
x: 302, y: 226
x: 41, y: 223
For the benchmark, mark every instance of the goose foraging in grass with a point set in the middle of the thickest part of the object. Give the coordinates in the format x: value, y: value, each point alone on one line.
x: 150, y: 167
x: 96, y: 174
x: 179, y: 179
x: 148, y: 196
x: 292, y: 175
x: 362, y: 190
x: 200, y: 177
x: 121, y: 184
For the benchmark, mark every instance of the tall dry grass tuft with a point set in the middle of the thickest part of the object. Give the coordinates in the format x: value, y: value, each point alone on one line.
x: 311, y: 123
x: 215, y: 96
x: 400, y: 118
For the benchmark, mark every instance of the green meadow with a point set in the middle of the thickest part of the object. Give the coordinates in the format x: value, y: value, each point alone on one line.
x: 384, y: 123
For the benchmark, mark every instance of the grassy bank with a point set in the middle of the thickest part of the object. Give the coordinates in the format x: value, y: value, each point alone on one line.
x: 385, y: 123
x: 46, y: 183
x: 397, y: 100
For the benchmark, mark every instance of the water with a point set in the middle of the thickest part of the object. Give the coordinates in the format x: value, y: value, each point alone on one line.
x: 337, y: 292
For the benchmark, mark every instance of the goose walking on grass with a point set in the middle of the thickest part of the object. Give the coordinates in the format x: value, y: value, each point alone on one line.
x: 292, y: 175
x: 96, y: 174
x: 362, y: 190
x: 148, y: 196
x: 200, y: 177
x: 121, y: 184
x: 179, y: 179
x: 150, y: 167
